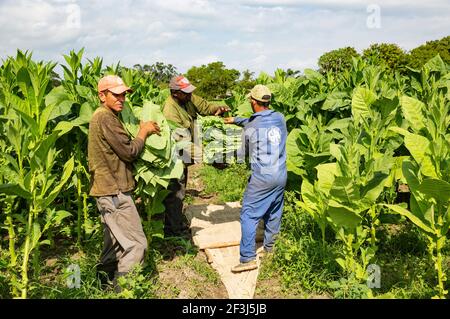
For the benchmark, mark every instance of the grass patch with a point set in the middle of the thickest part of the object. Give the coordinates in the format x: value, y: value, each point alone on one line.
x: 305, y: 265
x: 229, y: 183
x: 202, y: 268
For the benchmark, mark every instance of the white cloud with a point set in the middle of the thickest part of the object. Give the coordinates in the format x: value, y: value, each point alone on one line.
x: 244, y: 34
x: 197, y: 8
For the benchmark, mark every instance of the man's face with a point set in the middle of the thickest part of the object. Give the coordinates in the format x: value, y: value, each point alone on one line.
x: 112, y: 100
x: 183, y: 97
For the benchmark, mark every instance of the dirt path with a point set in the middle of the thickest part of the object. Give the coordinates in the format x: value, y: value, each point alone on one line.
x: 187, y: 274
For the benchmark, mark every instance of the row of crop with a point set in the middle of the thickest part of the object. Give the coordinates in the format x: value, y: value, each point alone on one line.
x: 44, y: 179
x: 354, y: 138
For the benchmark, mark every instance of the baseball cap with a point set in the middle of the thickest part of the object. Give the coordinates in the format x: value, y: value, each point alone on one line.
x: 112, y: 83
x: 180, y: 83
x: 260, y: 93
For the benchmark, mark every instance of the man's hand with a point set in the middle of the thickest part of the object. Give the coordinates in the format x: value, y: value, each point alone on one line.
x: 229, y: 120
x: 147, y: 128
x: 221, y: 110
x: 150, y: 127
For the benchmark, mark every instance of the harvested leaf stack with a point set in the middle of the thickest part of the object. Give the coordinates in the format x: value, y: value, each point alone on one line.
x: 158, y: 163
x: 219, y: 139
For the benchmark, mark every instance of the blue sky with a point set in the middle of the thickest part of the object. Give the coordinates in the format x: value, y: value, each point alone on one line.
x: 244, y: 34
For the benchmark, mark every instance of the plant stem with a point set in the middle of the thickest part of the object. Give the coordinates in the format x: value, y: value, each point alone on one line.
x: 26, y: 254
x: 438, y: 266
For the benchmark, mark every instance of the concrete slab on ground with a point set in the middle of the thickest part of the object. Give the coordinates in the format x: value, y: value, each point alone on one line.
x: 216, y: 229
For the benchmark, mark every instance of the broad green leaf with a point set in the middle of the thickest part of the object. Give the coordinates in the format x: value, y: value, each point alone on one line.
x: 412, y: 110
x: 326, y: 174
x: 418, y: 146
x: 436, y: 64
x: 292, y: 148
x: 293, y: 167
x: 313, y: 75
x: 33, y: 126
x: 419, y: 202
x: 307, y: 208
x: 374, y: 187
x: 44, y: 118
x: 60, y: 216
x: 415, y: 219
x: 157, y: 206
x: 387, y: 105
x: 64, y: 127
x: 86, y: 112
x: 11, y: 160
x: 244, y: 109
x: 429, y: 216
x: 43, y: 149
x: 157, y: 228
x: 152, y: 112
x: 61, y: 100
x: 361, y: 101
x: 410, y: 171
x: 308, y: 194
x: 336, y: 100
x: 341, y: 262
x: 67, y: 172
x: 84, y: 92
x: 335, y: 151
x: 338, y: 124
x: 36, y: 235
x: 16, y: 190
x: 436, y: 188
x: 345, y: 190
x: 61, y: 109
x: 343, y: 216
x: 311, y: 160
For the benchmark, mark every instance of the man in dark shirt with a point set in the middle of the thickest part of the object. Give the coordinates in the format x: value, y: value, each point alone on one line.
x: 110, y: 154
x: 182, y: 108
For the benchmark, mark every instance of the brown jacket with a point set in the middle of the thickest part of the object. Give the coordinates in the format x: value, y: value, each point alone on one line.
x: 110, y: 154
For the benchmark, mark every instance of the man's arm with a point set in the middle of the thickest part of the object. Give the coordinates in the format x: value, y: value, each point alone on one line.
x: 126, y: 149
x: 241, y: 121
x: 207, y: 108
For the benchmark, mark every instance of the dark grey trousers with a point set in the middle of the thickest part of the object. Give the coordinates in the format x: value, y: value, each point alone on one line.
x: 124, y: 241
x: 174, y: 220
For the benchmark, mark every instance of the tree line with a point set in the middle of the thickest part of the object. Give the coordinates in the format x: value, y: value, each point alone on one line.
x: 215, y: 81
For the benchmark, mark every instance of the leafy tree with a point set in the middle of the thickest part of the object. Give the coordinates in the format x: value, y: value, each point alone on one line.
x: 337, y: 60
x: 247, y: 81
x: 161, y: 72
x: 420, y: 55
x: 213, y: 81
x: 388, y: 54
x: 292, y: 73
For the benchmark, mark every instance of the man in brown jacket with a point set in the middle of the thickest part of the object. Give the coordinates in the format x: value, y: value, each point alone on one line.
x: 182, y: 108
x: 110, y: 154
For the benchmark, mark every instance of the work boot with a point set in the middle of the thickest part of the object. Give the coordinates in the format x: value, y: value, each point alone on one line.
x: 105, y: 273
x: 246, y: 266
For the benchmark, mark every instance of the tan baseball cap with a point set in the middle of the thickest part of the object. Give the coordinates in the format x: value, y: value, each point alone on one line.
x: 180, y: 83
x: 112, y: 83
x: 260, y: 93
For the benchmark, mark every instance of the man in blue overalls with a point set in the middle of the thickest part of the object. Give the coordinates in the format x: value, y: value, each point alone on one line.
x: 264, y: 140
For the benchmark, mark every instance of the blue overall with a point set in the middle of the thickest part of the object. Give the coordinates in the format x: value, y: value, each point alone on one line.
x: 264, y: 141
